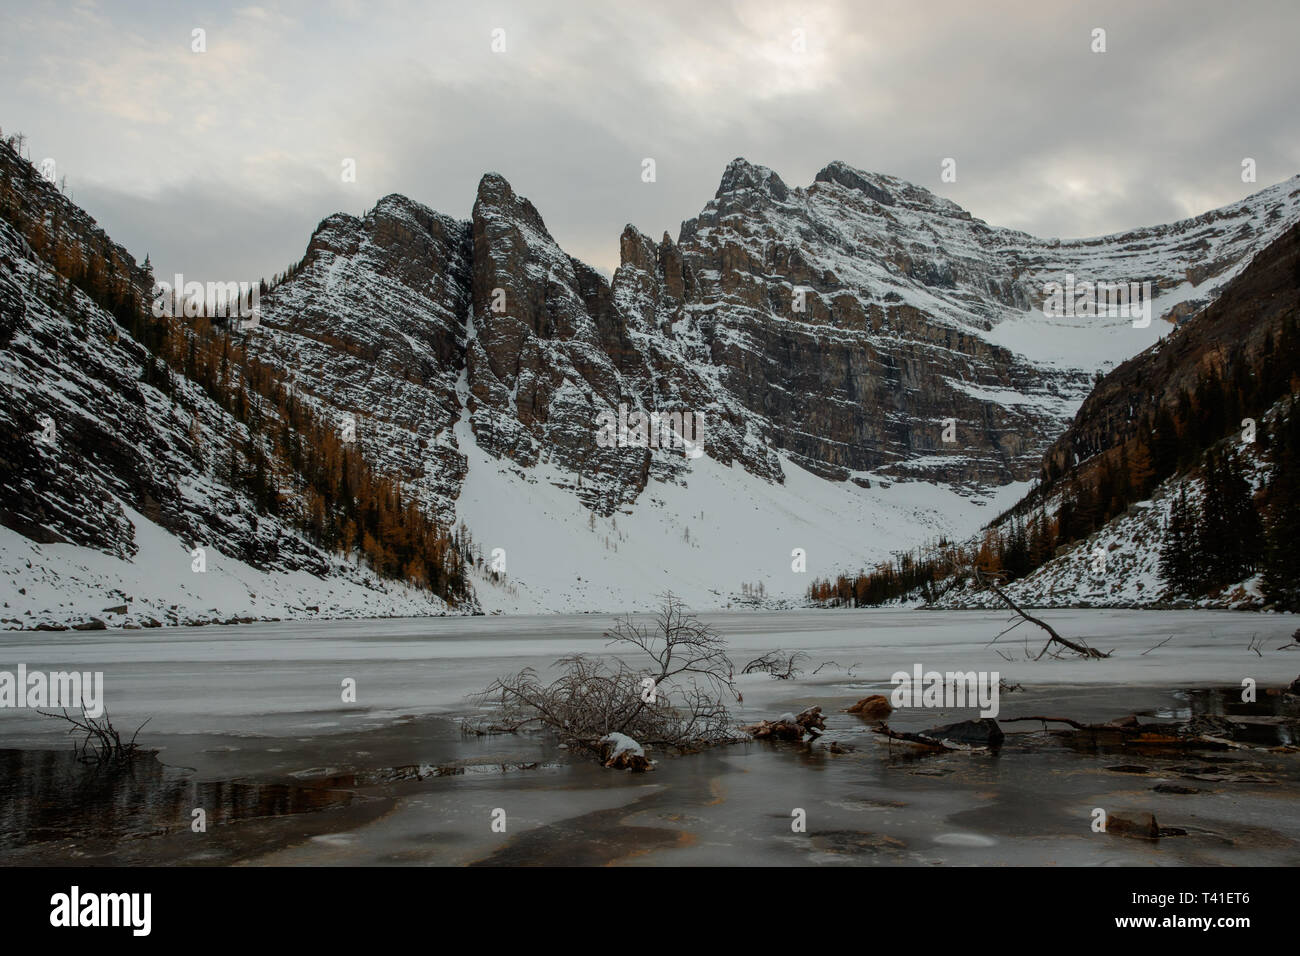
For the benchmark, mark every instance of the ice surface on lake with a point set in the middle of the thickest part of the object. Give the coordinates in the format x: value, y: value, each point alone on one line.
x: 287, y: 678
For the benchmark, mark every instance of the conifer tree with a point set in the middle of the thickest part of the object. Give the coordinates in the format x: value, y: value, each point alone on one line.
x: 1281, y: 553
x: 1178, y: 557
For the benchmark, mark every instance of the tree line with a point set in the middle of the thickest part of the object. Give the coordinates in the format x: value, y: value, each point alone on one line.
x: 1233, y: 530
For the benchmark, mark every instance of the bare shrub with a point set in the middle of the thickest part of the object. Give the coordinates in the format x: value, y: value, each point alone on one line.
x: 671, y: 695
x: 101, y: 743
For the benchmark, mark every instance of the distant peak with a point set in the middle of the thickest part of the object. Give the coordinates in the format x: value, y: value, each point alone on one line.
x: 496, y: 197
x: 635, y: 247
x: 497, y: 200
x: 494, y: 186
x: 742, y: 174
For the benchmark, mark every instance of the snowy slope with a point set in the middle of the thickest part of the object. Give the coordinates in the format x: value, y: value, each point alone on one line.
x: 62, y: 585
x: 108, y: 481
x: 719, y: 528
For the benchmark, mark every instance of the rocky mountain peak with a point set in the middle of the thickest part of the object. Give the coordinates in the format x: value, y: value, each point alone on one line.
x: 741, y: 174
x: 335, y: 233
x: 890, y: 191
x: 494, y: 188
x: 497, y: 200
x: 888, y: 306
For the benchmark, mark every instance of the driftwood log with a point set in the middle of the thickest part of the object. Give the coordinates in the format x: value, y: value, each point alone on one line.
x: 808, y: 722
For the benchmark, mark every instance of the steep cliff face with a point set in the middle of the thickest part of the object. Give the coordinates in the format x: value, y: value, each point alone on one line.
x: 846, y: 326
x: 914, y: 312
x: 845, y: 320
x: 548, y: 351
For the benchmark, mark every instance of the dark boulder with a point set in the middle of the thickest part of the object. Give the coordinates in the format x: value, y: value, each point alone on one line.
x: 983, y: 732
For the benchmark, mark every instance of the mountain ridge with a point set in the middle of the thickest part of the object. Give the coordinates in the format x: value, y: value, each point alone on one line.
x: 674, y: 280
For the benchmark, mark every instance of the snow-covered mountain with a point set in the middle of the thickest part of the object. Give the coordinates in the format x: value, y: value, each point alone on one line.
x: 826, y: 337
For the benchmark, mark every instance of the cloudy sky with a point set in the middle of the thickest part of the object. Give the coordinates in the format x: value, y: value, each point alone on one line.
x: 220, y: 164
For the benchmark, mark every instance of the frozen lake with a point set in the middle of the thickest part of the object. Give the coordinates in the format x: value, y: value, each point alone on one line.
x: 282, y: 678
x: 258, y: 708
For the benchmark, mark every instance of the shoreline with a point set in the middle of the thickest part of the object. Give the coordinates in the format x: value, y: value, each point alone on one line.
x: 121, y: 623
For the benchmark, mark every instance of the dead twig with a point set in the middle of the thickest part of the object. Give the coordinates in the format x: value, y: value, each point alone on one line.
x: 777, y: 664
x: 1007, y: 630
x: 1153, y: 647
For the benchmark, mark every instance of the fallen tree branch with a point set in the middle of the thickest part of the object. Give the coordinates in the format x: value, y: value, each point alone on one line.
x: 808, y: 723
x: 1083, y: 650
x: 982, y: 734
x: 848, y: 670
x: 906, y: 737
x: 1005, y: 630
x: 102, y: 742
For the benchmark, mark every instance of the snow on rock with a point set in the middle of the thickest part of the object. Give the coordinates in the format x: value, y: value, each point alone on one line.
x: 1116, y: 566
x: 821, y: 446
x: 622, y: 744
x: 621, y: 752
x: 64, y: 585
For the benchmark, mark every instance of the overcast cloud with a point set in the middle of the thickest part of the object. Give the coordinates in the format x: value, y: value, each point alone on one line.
x: 220, y: 164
